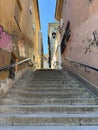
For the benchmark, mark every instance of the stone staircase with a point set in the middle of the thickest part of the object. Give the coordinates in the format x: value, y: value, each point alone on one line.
x: 49, y: 99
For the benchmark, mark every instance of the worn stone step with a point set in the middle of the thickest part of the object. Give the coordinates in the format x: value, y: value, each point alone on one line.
x: 52, y: 80
x: 49, y: 127
x: 50, y: 76
x: 68, y: 101
x: 46, y: 98
x: 65, y: 109
x: 49, y: 119
x: 55, y: 81
x: 52, y: 95
x: 48, y: 86
x: 47, y: 90
x: 62, y: 75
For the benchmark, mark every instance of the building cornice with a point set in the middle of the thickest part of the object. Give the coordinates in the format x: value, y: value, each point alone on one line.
x: 36, y: 5
x: 38, y: 13
x: 58, y: 10
x: 52, y: 24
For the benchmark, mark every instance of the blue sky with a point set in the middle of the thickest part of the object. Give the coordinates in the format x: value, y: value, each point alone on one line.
x: 47, y: 14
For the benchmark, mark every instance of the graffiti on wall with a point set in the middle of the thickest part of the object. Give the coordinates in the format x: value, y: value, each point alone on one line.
x: 93, y: 42
x: 11, y: 42
x: 5, y: 40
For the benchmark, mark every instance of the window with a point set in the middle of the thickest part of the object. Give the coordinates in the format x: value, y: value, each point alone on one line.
x: 53, y: 35
x: 17, y: 13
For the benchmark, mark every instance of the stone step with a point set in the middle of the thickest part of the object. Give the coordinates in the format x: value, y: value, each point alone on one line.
x: 52, y: 95
x: 64, y: 109
x: 50, y: 81
x: 41, y: 119
x: 52, y: 78
x: 62, y: 75
x: 68, y: 101
x: 49, y: 127
x: 48, y: 90
x: 49, y: 93
x: 47, y: 98
x: 55, y: 81
x: 48, y: 86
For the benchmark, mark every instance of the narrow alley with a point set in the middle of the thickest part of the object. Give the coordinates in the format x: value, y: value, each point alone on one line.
x: 48, y: 65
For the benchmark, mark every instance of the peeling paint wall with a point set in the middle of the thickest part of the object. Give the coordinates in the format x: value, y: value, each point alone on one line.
x: 84, y: 42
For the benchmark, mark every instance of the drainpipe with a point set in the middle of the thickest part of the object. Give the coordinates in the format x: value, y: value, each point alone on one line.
x: 59, y: 57
x: 59, y: 53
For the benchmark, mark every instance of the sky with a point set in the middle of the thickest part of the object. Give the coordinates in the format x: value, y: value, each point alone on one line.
x: 47, y: 15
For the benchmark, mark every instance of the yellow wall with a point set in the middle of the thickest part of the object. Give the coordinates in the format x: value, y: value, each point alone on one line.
x: 24, y: 32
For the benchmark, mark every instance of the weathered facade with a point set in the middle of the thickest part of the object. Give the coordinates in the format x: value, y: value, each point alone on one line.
x: 19, y: 27
x: 79, y: 35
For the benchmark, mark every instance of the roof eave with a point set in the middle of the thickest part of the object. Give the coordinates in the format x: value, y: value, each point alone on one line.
x: 58, y: 10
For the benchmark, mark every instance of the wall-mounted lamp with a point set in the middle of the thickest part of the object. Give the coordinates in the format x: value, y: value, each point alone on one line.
x: 54, y: 35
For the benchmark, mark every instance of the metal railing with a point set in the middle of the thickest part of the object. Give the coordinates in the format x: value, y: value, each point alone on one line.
x: 6, y: 68
x: 81, y: 64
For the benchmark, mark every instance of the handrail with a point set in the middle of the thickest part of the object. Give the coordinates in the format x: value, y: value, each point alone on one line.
x: 20, y: 62
x: 85, y: 65
x: 13, y: 65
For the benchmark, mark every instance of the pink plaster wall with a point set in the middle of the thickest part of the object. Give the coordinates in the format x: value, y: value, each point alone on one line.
x: 5, y: 40
x: 83, y: 44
